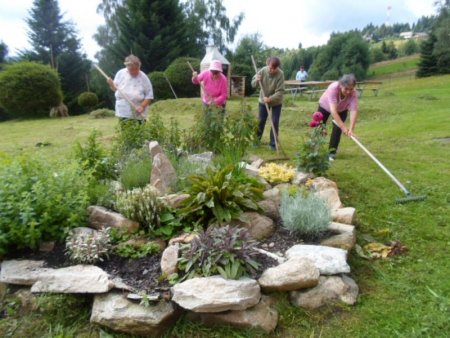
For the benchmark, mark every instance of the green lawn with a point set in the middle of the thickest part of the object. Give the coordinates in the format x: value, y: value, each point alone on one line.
x: 403, y: 64
x: 408, y: 128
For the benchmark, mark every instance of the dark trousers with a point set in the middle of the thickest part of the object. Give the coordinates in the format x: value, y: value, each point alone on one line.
x: 263, y: 114
x: 336, y: 132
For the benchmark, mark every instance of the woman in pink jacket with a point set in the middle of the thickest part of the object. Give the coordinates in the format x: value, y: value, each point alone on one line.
x: 340, y: 98
x: 214, y: 85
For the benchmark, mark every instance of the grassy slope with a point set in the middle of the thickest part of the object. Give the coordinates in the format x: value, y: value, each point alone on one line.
x: 404, y: 296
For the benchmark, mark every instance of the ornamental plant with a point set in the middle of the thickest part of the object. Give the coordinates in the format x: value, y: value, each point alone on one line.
x: 40, y: 201
x: 141, y: 205
x: 219, y: 196
x: 313, y: 154
x: 277, y: 173
x: 227, y: 251
x: 89, y: 247
x: 304, y: 213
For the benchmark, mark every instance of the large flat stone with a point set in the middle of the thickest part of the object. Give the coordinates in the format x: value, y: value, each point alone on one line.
x: 114, y: 311
x: 216, y: 294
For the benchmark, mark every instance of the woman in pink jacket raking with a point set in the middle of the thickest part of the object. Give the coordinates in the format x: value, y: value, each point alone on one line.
x: 340, y: 98
x: 214, y: 85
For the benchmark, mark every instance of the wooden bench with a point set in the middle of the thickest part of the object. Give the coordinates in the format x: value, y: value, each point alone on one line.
x: 314, y: 93
x: 295, y: 91
x: 374, y: 86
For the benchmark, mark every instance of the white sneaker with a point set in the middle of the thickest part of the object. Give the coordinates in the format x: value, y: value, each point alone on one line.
x: 331, y: 157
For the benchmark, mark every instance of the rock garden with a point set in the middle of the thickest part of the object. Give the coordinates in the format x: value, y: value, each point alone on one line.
x: 214, y: 236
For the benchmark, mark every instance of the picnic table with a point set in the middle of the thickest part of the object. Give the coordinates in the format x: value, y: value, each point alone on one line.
x: 374, y: 86
x: 310, y: 88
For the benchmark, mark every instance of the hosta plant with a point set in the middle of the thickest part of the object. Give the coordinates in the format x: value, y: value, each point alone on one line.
x: 89, y: 247
x: 304, y: 213
x: 219, y: 196
x: 227, y: 251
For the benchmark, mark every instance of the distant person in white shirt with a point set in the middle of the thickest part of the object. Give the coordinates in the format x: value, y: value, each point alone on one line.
x: 301, y: 75
x: 133, y: 91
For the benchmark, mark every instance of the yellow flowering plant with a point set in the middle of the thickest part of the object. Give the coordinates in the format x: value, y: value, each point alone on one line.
x: 277, y: 173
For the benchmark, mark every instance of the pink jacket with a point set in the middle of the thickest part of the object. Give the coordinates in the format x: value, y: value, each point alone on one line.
x: 331, y: 95
x: 215, y: 89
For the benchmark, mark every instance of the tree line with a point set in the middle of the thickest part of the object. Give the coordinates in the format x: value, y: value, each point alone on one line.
x: 163, y: 33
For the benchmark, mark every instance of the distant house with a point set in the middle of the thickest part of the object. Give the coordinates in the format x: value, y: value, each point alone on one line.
x: 406, y: 35
x: 413, y: 35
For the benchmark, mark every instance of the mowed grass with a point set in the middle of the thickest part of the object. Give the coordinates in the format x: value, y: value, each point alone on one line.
x: 403, y: 64
x: 407, y: 127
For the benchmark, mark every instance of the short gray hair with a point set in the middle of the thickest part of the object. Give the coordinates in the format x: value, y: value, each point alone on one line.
x: 347, y: 80
x: 132, y: 60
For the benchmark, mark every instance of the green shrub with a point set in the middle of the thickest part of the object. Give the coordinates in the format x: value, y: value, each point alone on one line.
x: 227, y: 251
x: 135, y: 170
x: 141, y: 205
x: 88, y: 100
x: 218, y: 196
x: 102, y: 113
x: 29, y: 89
x: 180, y: 76
x: 40, y: 201
x: 218, y: 133
x: 304, y: 213
x: 94, y: 157
x: 313, y: 154
x: 137, y: 250
x: 161, y: 88
x: 88, y: 248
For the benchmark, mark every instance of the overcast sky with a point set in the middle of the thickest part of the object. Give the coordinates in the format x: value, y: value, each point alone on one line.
x: 281, y: 23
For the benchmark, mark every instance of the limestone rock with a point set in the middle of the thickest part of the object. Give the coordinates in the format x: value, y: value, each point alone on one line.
x: 259, y: 226
x: 169, y: 259
x: 261, y: 316
x: 73, y: 279
x: 345, y: 237
x: 328, y: 190
x: 183, y: 238
x: 163, y: 175
x: 270, y: 209
x: 203, y: 158
x: 273, y: 194
x: 216, y: 294
x: 301, y: 177
x: 328, y: 260
x: 100, y: 217
x: 154, y: 148
x: 114, y: 311
x: 21, y: 272
x: 344, y: 215
x: 329, y: 289
x: 174, y: 200
x: 257, y: 163
x: 296, y: 273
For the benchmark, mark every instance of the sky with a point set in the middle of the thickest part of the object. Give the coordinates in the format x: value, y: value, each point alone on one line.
x: 281, y: 23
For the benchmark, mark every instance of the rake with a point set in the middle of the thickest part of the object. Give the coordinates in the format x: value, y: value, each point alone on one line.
x: 408, y: 196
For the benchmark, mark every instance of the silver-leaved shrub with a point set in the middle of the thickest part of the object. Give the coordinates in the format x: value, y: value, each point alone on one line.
x: 89, y: 247
x: 304, y: 213
x: 141, y: 205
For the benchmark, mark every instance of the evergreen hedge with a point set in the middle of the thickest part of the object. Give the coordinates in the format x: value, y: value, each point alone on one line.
x: 29, y: 89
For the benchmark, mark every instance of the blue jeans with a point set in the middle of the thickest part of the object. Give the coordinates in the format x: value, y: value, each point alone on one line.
x: 263, y: 114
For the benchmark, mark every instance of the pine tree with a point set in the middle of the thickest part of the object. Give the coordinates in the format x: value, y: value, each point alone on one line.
x: 155, y: 30
x: 427, y: 65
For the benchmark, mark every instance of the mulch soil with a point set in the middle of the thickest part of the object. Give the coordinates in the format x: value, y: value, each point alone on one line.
x: 143, y: 274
